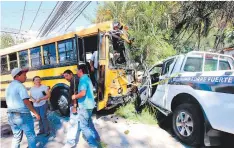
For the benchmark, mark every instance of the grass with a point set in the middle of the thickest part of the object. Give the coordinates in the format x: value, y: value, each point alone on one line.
x: 103, y: 145
x: 147, y: 115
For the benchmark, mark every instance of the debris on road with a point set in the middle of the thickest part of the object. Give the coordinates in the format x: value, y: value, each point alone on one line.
x: 126, y: 132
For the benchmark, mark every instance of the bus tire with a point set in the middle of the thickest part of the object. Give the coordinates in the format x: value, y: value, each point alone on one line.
x: 61, y: 101
x: 187, y: 124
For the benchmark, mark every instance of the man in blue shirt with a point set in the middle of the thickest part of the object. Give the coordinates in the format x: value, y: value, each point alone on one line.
x: 19, y: 107
x: 86, y: 105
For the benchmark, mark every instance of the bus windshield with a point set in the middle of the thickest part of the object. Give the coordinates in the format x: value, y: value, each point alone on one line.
x: 118, y: 49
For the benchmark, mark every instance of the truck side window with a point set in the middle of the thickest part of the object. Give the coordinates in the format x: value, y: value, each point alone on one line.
x: 156, y: 69
x: 211, y: 62
x: 193, y: 64
x: 167, y: 66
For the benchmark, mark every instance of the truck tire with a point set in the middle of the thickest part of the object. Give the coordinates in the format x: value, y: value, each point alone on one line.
x: 60, y: 100
x: 188, y: 124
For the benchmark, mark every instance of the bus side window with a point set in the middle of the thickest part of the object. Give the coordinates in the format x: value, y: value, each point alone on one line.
x: 4, y: 66
x: 36, y: 56
x: 23, y: 58
x: 49, y: 53
x: 65, y: 50
x: 13, y: 60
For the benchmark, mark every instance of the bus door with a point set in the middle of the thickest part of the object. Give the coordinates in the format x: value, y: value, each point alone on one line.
x: 102, y: 65
x: 81, y: 53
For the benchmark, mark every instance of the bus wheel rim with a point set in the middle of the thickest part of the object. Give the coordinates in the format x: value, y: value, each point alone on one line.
x: 62, y: 102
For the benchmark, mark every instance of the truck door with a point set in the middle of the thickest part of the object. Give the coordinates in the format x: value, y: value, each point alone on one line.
x: 145, y: 89
x: 150, y: 82
x: 159, y: 97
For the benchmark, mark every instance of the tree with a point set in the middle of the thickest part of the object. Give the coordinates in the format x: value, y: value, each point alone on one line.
x: 200, y: 18
x: 147, y: 22
x: 162, y: 29
x: 6, y: 41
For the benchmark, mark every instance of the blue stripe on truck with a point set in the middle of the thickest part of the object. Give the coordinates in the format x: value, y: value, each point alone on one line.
x: 223, y: 84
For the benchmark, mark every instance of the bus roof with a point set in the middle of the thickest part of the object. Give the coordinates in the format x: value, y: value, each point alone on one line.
x: 87, y: 31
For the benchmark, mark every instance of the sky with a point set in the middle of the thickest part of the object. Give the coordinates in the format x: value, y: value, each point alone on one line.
x: 12, y: 12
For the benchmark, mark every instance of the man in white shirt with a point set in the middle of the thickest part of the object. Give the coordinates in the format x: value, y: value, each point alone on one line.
x: 94, y: 65
x: 19, y: 108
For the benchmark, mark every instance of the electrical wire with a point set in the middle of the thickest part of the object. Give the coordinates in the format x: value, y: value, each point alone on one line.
x: 47, y: 19
x: 35, y: 16
x: 69, y: 14
x: 58, y: 17
x: 50, y: 18
x: 22, y: 17
x: 9, y: 32
x: 78, y: 15
x: 74, y: 14
x: 53, y: 18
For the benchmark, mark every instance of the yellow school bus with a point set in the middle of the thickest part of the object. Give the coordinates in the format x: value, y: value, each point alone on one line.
x: 50, y: 57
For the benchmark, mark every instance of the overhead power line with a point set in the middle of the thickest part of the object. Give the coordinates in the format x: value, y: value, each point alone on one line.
x: 22, y: 17
x: 10, y: 32
x: 47, y: 19
x: 64, y: 7
x: 74, y: 16
x: 35, y: 16
x: 64, y: 13
x: 67, y: 14
x: 78, y: 15
x: 71, y: 16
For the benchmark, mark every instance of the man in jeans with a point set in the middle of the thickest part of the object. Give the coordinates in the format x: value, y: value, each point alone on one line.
x: 19, y: 107
x: 73, y: 132
x: 86, y: 104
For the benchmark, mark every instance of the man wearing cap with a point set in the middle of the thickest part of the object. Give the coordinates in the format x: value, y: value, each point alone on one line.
x: 19, y: 107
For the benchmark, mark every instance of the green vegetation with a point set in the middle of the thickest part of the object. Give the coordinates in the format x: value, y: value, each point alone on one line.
x: 128, y: 112
x: 162, y: 29
x: 6, y: 41
x: 103, y: 145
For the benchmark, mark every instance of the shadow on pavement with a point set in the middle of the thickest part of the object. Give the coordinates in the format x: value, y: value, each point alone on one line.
x: 227, y: 140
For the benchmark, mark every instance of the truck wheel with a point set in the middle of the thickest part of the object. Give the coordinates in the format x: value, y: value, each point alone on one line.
x: 60, y: 100
x: 188, y: 124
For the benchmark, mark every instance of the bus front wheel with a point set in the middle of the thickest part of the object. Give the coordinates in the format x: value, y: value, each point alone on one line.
x: 60, y: 100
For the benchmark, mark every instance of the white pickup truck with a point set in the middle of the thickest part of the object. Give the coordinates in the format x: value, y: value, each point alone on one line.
x: 198, y: 90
